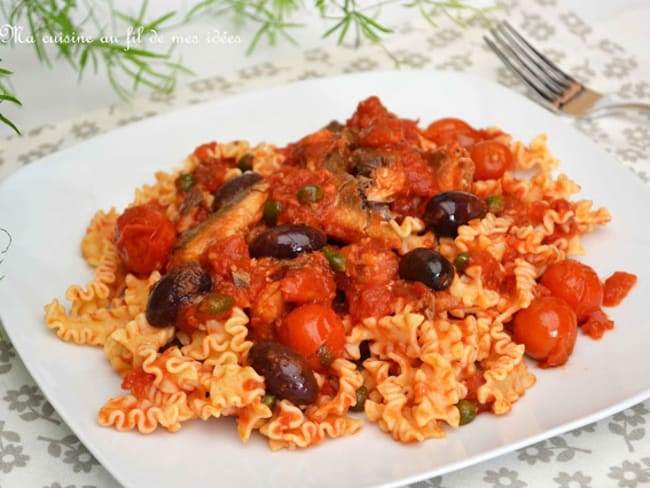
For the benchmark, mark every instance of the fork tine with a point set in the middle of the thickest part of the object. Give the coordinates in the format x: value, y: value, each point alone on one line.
x: 551, y: 84
x: 530, y: 81
x: 542, y: 61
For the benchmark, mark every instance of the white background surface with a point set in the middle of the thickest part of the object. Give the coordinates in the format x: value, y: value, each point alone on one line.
x: 53, y: 94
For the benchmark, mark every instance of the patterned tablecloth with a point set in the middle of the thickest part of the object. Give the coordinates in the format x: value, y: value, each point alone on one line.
x: 38, y: 450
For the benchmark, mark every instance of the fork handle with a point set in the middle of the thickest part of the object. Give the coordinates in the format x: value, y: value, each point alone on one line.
x: 606, y: 106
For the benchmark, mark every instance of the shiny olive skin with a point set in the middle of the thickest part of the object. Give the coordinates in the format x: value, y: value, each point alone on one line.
x: 287, y: 241
x: 286, y: 373
x: 232, y: 189
x: 428, y: 267
x: 181, y: 283
x: 446, y: 211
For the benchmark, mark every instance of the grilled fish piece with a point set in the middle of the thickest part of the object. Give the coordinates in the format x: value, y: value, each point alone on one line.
x: 238, y: 216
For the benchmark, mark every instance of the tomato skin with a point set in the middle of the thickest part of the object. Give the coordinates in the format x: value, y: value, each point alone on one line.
x: 309, y: 284
x: 491, y: 160
x: 575, y: 283
x: 144, y: 238
x: 450, y: 130
x: 308, y: 328
x: 597, y: 324
x: 617, y: 287
x: 548, y: 329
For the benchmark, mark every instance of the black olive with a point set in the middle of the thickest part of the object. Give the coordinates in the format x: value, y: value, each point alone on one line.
x: 428, y: 267
x: 232, y: 189
x: 287, y: 241
x: 448, y: 210
x: 180, y: 284
x: 286, y: 373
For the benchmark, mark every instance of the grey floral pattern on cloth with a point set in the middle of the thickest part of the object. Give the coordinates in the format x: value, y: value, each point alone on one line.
x: 555, y: 449
x: 11, y: 452
x: 503, y: 478
x: 74, y: 452
x: 631, y: 474
x: 629, y: 424
x: 575, y: 480
x: 34, y: 442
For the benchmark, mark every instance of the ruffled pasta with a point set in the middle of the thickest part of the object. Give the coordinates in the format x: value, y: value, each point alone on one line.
x: 422, y: 357
x: 91, y: 328
x: 100, y: 229
x: 128, y: 347
x: 289, y: 428
x: 222, y: 342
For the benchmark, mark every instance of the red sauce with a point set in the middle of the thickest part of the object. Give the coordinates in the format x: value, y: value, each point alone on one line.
x: 285, y: 185
x: 331, y: 158
x: 617, y: 287
x: 137, y: 381
x: 312, y: 283
x: 228, y: 254
x: 597, y: 324
x: 491, y: 275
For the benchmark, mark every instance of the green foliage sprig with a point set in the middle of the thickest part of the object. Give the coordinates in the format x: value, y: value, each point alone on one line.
x: 6, y: 96
x: 86, y: 41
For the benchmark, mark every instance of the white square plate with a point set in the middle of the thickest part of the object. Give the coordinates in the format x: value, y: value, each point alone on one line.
x: 47, y: 205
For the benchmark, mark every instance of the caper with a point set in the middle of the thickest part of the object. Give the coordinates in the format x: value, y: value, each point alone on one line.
x: 185, y: 182
x: 468, y: 410
x: 362, y: 396
x: 271, y: 211
x: 310, y: 194
x: 461, y: 261
x: 245, y: 163
x: 216, y: 303
x: 495, y: 204
x: 325, y: 356
x: 269, y: 401
x: 335, y: 258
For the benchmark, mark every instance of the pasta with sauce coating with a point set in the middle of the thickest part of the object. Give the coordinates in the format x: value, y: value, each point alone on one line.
x: 411, y: 353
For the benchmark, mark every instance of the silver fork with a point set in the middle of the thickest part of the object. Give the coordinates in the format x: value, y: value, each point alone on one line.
x: 556, y: 89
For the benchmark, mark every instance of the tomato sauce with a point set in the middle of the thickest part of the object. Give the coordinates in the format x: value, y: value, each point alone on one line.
x: 137, y: 381
x: 340, y: 164
x: 617, y: 287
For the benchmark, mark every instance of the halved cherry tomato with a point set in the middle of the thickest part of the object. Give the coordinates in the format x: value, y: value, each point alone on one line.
x: 548, y: 328
x: 491, y: 160
x: 144, y: 238
x: 617, y: 287
x: 316, y: 332
x: 575, y: 283
x: 450, y: 130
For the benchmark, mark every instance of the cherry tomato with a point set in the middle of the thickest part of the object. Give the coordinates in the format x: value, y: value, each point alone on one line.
x: 575, y: 283
x: 491, y: 160
x: 316, y: 332
x: 449, y: 130
x: 617, y: 287
x: 548, y: 328
x: 144, y: 238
